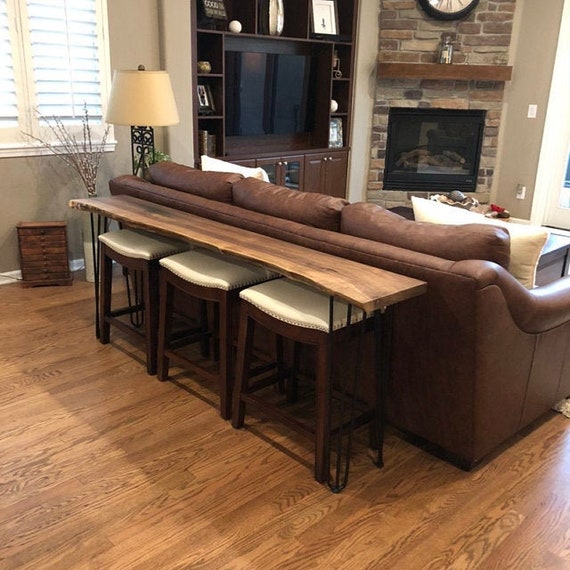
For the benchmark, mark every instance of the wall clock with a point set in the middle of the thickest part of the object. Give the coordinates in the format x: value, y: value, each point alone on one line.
x: 448, y: 9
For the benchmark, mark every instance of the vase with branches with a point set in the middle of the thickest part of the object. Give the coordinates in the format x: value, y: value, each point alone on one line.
x: 83, y: 155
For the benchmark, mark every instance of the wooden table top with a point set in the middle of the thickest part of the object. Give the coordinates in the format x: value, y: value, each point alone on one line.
x: 369, y: 288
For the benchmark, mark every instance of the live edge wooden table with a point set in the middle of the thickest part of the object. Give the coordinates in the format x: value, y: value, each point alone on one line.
x: 371, y: 289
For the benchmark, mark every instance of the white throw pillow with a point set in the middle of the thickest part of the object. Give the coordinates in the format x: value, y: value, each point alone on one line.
x: 209, y: 163
x: 526, y: 241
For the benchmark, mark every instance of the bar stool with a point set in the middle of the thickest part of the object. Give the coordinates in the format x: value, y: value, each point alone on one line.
x: 209, y: 277
x: 136, y: 251
x: 302, y: 314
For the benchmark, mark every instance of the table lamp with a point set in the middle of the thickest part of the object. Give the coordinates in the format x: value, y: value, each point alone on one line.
x: 142, y: 100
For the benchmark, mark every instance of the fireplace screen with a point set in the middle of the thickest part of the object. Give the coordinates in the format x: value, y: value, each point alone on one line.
x: 433, y: 149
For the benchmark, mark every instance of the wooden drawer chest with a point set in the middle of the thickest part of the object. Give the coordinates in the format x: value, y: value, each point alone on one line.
x: 43, y: 253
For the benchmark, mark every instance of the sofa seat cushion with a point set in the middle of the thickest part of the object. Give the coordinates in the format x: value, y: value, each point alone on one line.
x: 309, y: 208
x: 526, y: 241
x: 213, y: 185
x: 455, y: 243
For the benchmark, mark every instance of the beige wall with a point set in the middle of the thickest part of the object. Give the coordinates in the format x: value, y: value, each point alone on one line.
x: 532, y: 56
x: 38, y: 188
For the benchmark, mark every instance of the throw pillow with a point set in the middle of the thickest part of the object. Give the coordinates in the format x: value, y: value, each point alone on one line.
x: 209, y: 163
x: 526, y: 241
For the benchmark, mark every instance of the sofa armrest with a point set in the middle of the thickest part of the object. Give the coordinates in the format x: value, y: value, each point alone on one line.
x: 533, y: 310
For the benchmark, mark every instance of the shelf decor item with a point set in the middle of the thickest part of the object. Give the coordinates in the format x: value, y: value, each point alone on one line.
x: 210, y: 12
x: 324, y: 18
x: 205, y: 100
x: 271, y: 17
x: 335, y: 133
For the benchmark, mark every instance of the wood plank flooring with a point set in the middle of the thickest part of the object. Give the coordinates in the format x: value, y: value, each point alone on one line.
x: 104, y: 467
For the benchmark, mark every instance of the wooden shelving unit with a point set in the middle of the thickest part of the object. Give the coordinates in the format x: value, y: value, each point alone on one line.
x: 285, y: 153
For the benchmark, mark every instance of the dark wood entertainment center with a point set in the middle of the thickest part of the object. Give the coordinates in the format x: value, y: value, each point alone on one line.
x: 302, y: 159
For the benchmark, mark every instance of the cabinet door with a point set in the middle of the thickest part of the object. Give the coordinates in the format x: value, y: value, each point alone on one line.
x: 326, y: 173
x: 284, y: 171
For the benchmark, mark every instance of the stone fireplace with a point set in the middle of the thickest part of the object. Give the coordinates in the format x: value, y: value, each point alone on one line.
x: 409, y: 78
x: 433, y: 148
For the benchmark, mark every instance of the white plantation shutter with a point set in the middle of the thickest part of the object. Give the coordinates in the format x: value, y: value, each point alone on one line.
x: 53, y: 61
x: 8, y: 101
x: 65, y: 57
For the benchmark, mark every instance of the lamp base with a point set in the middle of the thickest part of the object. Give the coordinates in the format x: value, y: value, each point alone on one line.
x: 142, y: 147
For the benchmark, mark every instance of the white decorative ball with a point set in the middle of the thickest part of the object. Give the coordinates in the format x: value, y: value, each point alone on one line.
x: 235, y: 26
x: 334, y: 106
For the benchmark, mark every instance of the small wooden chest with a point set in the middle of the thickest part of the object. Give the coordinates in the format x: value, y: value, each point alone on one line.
x: 43, y: 253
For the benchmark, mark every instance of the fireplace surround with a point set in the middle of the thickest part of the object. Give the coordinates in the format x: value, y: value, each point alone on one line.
x: 433, y: 149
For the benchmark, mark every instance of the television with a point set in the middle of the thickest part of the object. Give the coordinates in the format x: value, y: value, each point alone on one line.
x: 268, y: 93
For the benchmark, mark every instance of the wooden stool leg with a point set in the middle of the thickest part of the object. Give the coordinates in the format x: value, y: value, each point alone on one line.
x: 323, y: 413
x: 243, y: 366
x: 150, y: 294
x: 106, y: 284
x: 166, y: 304
x: 225, y: 310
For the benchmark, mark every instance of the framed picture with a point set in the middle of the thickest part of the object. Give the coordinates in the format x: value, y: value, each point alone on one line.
x: 335, y: 133
x: 205, y: 100
x: 324, y: 17
x: 213, y: 9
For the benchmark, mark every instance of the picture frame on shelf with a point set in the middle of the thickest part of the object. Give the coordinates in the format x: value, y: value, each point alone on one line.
x: 335, y: 133
x: 205, y: 99
x: 324, y: 18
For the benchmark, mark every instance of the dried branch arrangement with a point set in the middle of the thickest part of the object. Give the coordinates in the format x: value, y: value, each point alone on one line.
x: 83, y: 156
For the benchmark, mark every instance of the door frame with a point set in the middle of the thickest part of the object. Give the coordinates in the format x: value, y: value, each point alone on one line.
x: 556, y: 135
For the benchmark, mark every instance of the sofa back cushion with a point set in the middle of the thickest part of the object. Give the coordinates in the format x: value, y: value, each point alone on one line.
x: 452, y: 242
x: 214, y: 185
x: 309, y: 208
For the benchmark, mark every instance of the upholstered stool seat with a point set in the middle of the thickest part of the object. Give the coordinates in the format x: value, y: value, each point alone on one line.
x: 208, y: 277
x: 301, y: 314
x: 138, y: 252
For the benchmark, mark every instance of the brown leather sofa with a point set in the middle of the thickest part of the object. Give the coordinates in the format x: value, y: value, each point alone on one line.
x: 474, y: 361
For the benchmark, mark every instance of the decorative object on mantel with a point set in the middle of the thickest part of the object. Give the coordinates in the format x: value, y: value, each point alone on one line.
x: 334, y: 106
x: 446, y: 51
x: 448, y: 9
x: 271, y: 17
x: 563, y: 407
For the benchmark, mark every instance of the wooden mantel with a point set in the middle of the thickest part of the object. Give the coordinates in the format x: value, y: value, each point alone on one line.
x: 445, y: 71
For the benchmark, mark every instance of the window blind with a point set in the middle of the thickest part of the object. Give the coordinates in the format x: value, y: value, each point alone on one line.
x: 65, y: 58
x: 8, y: 101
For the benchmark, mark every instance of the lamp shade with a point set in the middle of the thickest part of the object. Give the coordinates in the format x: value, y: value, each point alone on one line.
x: 142, y: 98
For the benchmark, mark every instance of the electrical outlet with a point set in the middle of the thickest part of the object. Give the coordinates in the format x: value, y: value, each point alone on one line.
x: 521, y: 192
x: 532, y: 111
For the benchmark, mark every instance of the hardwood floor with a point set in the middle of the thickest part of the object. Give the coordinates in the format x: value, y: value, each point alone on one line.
x: 102, y: 466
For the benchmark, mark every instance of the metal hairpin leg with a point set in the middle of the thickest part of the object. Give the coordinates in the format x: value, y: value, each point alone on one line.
x: 101, y: 227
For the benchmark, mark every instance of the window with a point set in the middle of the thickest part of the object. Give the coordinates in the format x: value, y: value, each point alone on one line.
x: 53, y: 61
